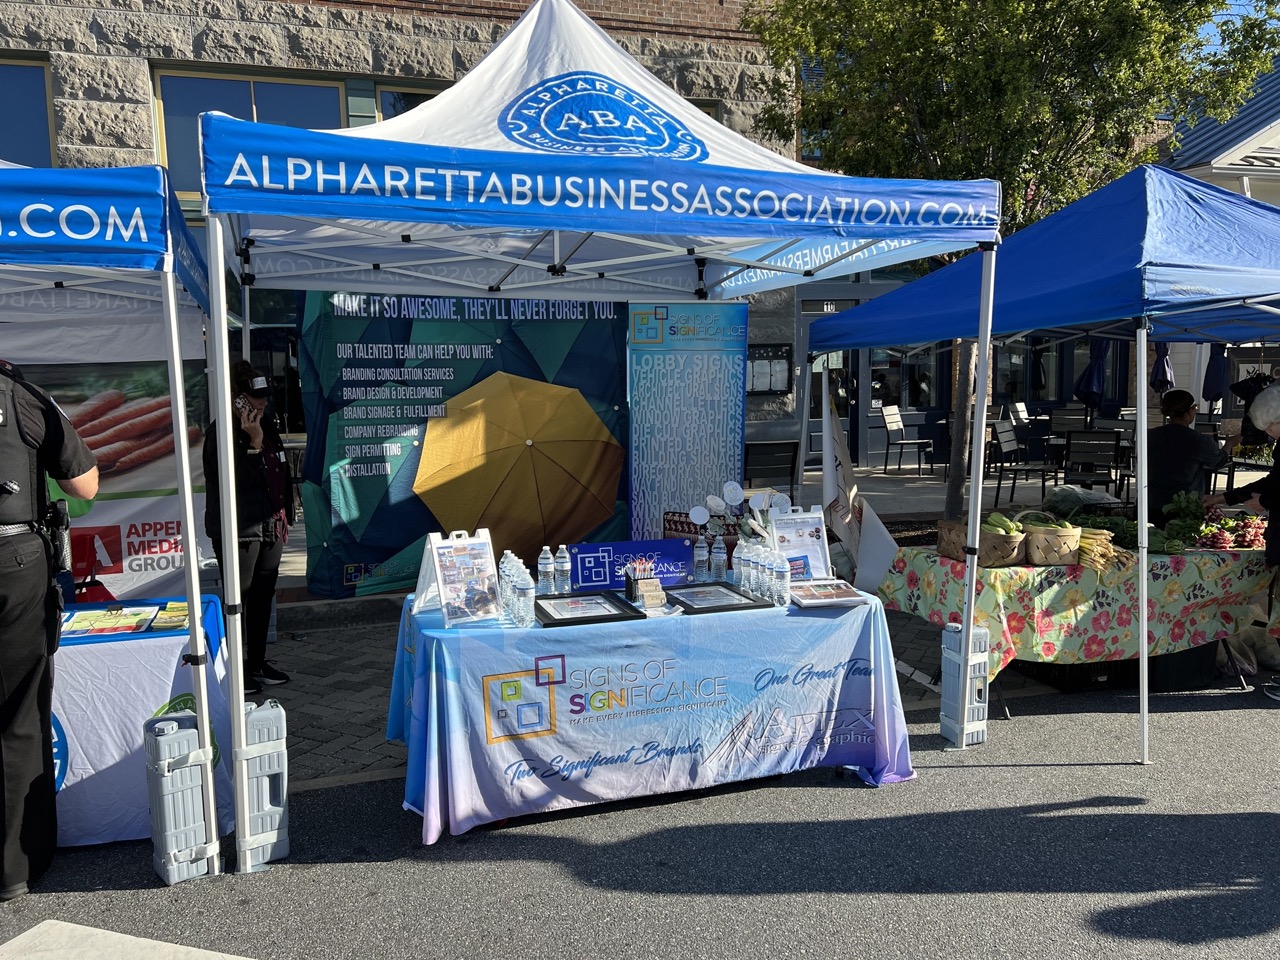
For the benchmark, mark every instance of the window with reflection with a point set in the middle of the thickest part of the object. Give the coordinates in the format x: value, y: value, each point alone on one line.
x: 1042, y: 370
x: 392, y: 102
x: 311, y: 105
x: 24, y: 115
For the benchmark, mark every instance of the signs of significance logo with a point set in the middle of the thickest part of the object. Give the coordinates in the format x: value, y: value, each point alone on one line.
x: 587, y: 113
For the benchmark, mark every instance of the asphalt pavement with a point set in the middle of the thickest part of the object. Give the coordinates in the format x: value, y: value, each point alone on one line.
x: 1048, y: 840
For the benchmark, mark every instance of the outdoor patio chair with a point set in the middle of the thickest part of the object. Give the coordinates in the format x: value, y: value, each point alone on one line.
x: 896, y: 436
x: 1096, y: 457
x: 1015, y: 463
x: 772, y: 463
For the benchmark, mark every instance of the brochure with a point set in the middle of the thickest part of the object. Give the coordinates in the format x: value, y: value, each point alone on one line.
x: 172, y: 616
x: 826, y: 593
x: 113, y: 619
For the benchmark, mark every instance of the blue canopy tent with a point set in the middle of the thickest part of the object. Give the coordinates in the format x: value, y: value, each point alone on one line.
x: 1152, y: 254
x: 106, y: 252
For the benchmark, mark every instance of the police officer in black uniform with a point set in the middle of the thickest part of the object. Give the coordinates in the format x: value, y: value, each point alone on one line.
x: 36, y: 440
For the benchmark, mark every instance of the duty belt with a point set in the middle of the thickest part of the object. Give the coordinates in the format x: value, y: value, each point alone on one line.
x: 13, y: 529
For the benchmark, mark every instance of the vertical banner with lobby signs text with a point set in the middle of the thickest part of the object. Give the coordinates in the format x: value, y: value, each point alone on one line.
x: 687, y: 384
x: 437, y: 414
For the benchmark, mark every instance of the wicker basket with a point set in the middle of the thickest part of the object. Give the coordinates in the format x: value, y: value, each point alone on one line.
x: 994, y: 549
x: 1052, y: 546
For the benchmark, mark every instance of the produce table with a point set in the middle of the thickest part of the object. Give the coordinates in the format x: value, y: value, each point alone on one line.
x: 105, y: 686
x: 503, y: 722
x: 1072, y: 614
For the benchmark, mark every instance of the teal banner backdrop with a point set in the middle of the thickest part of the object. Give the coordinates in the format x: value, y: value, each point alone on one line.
x: 448, y: 413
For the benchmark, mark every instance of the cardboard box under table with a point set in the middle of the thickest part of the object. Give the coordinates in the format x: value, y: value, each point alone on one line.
x: 503, y: 722
x: 1071, y: 615
x: 105, y: 686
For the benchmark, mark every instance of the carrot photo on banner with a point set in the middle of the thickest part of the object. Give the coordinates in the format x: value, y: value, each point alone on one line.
x: 129, y: 538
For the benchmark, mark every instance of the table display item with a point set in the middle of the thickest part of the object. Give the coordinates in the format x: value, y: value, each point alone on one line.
x: 643, y: 589
x: 467, y: 576
x: 112, y: 619
x: 1049, y: 542
x: 994, y: 549
x: 546, y: 572
x: 602, y: 606
x: 719, y: 565
x: 801, y: 536
x: 827, y: 593
x: 563, y: 570
x: 701, y: 560
x: 716, y: 597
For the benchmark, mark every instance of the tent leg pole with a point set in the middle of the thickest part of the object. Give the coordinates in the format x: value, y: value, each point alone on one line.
x: 220, y: 391
x: 978, y: 446
x: 1142, y: 573
x: 196, y: 647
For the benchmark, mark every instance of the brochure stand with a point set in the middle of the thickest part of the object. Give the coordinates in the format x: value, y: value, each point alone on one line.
x: 458, y: 574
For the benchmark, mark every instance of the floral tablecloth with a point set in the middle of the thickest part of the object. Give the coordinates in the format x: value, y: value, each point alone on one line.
x: 1074, y: 615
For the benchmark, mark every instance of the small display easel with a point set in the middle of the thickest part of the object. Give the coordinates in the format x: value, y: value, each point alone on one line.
x: 458, y: 575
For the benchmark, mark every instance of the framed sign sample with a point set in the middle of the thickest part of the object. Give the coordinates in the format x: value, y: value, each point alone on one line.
x: 466, y: 576
x: 564, y: 609
x: 713, y: 598
x: 801, y: 537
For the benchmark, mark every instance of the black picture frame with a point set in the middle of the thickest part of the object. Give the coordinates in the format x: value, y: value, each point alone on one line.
x: 572, y: 609
x: 714, y: 597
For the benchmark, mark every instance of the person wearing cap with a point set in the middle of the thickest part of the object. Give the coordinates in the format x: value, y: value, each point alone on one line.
x: 264, y: 513
x: 36, y: 441
x: 1180, y: 459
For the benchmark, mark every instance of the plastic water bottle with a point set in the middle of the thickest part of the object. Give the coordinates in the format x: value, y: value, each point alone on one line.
x: 546, y: 572
x: 701, y: 561
x: 746, y: 564
x: 781, y: 581
x: 719, y: 561
x: 522, y: 605
x: 563, y: 570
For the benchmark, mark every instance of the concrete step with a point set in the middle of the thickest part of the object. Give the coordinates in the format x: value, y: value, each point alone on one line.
x: 299, y: 616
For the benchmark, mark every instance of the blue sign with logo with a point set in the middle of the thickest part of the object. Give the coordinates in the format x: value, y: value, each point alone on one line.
x: 602, y: 566
x: 585, y: 112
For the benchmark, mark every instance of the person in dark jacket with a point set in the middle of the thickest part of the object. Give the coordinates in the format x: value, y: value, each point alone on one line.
x: 264, y: 513
x: 1180, y: 458
x: 36, y: 441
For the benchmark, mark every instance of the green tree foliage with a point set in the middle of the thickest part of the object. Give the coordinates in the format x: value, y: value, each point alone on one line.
x: 1053, y: 98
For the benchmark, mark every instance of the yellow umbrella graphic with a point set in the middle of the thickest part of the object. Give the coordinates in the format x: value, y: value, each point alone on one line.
x: 529, y: 460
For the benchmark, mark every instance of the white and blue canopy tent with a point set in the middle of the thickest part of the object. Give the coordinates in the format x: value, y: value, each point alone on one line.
x: 557, y: 168
x: 107, y: 255
x: 1152, y: 255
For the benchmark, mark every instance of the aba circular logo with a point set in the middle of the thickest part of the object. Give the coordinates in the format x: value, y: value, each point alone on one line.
x: 587, y: 113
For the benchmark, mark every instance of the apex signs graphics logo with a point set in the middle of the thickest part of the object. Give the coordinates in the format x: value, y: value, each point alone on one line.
x: 522, y: 705
x: 587, y: 113
x: 647, y: 326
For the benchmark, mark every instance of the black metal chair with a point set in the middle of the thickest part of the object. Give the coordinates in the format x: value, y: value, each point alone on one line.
x: 1015, y: 463
x: 1096, y: 457
x: 772, y: 462
x: 896, y: 436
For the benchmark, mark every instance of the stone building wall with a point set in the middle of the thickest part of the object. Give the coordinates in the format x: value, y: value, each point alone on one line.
x: 102, y: 54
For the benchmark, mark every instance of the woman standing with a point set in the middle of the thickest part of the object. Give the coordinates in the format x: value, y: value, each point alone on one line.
x: 264, y: 512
